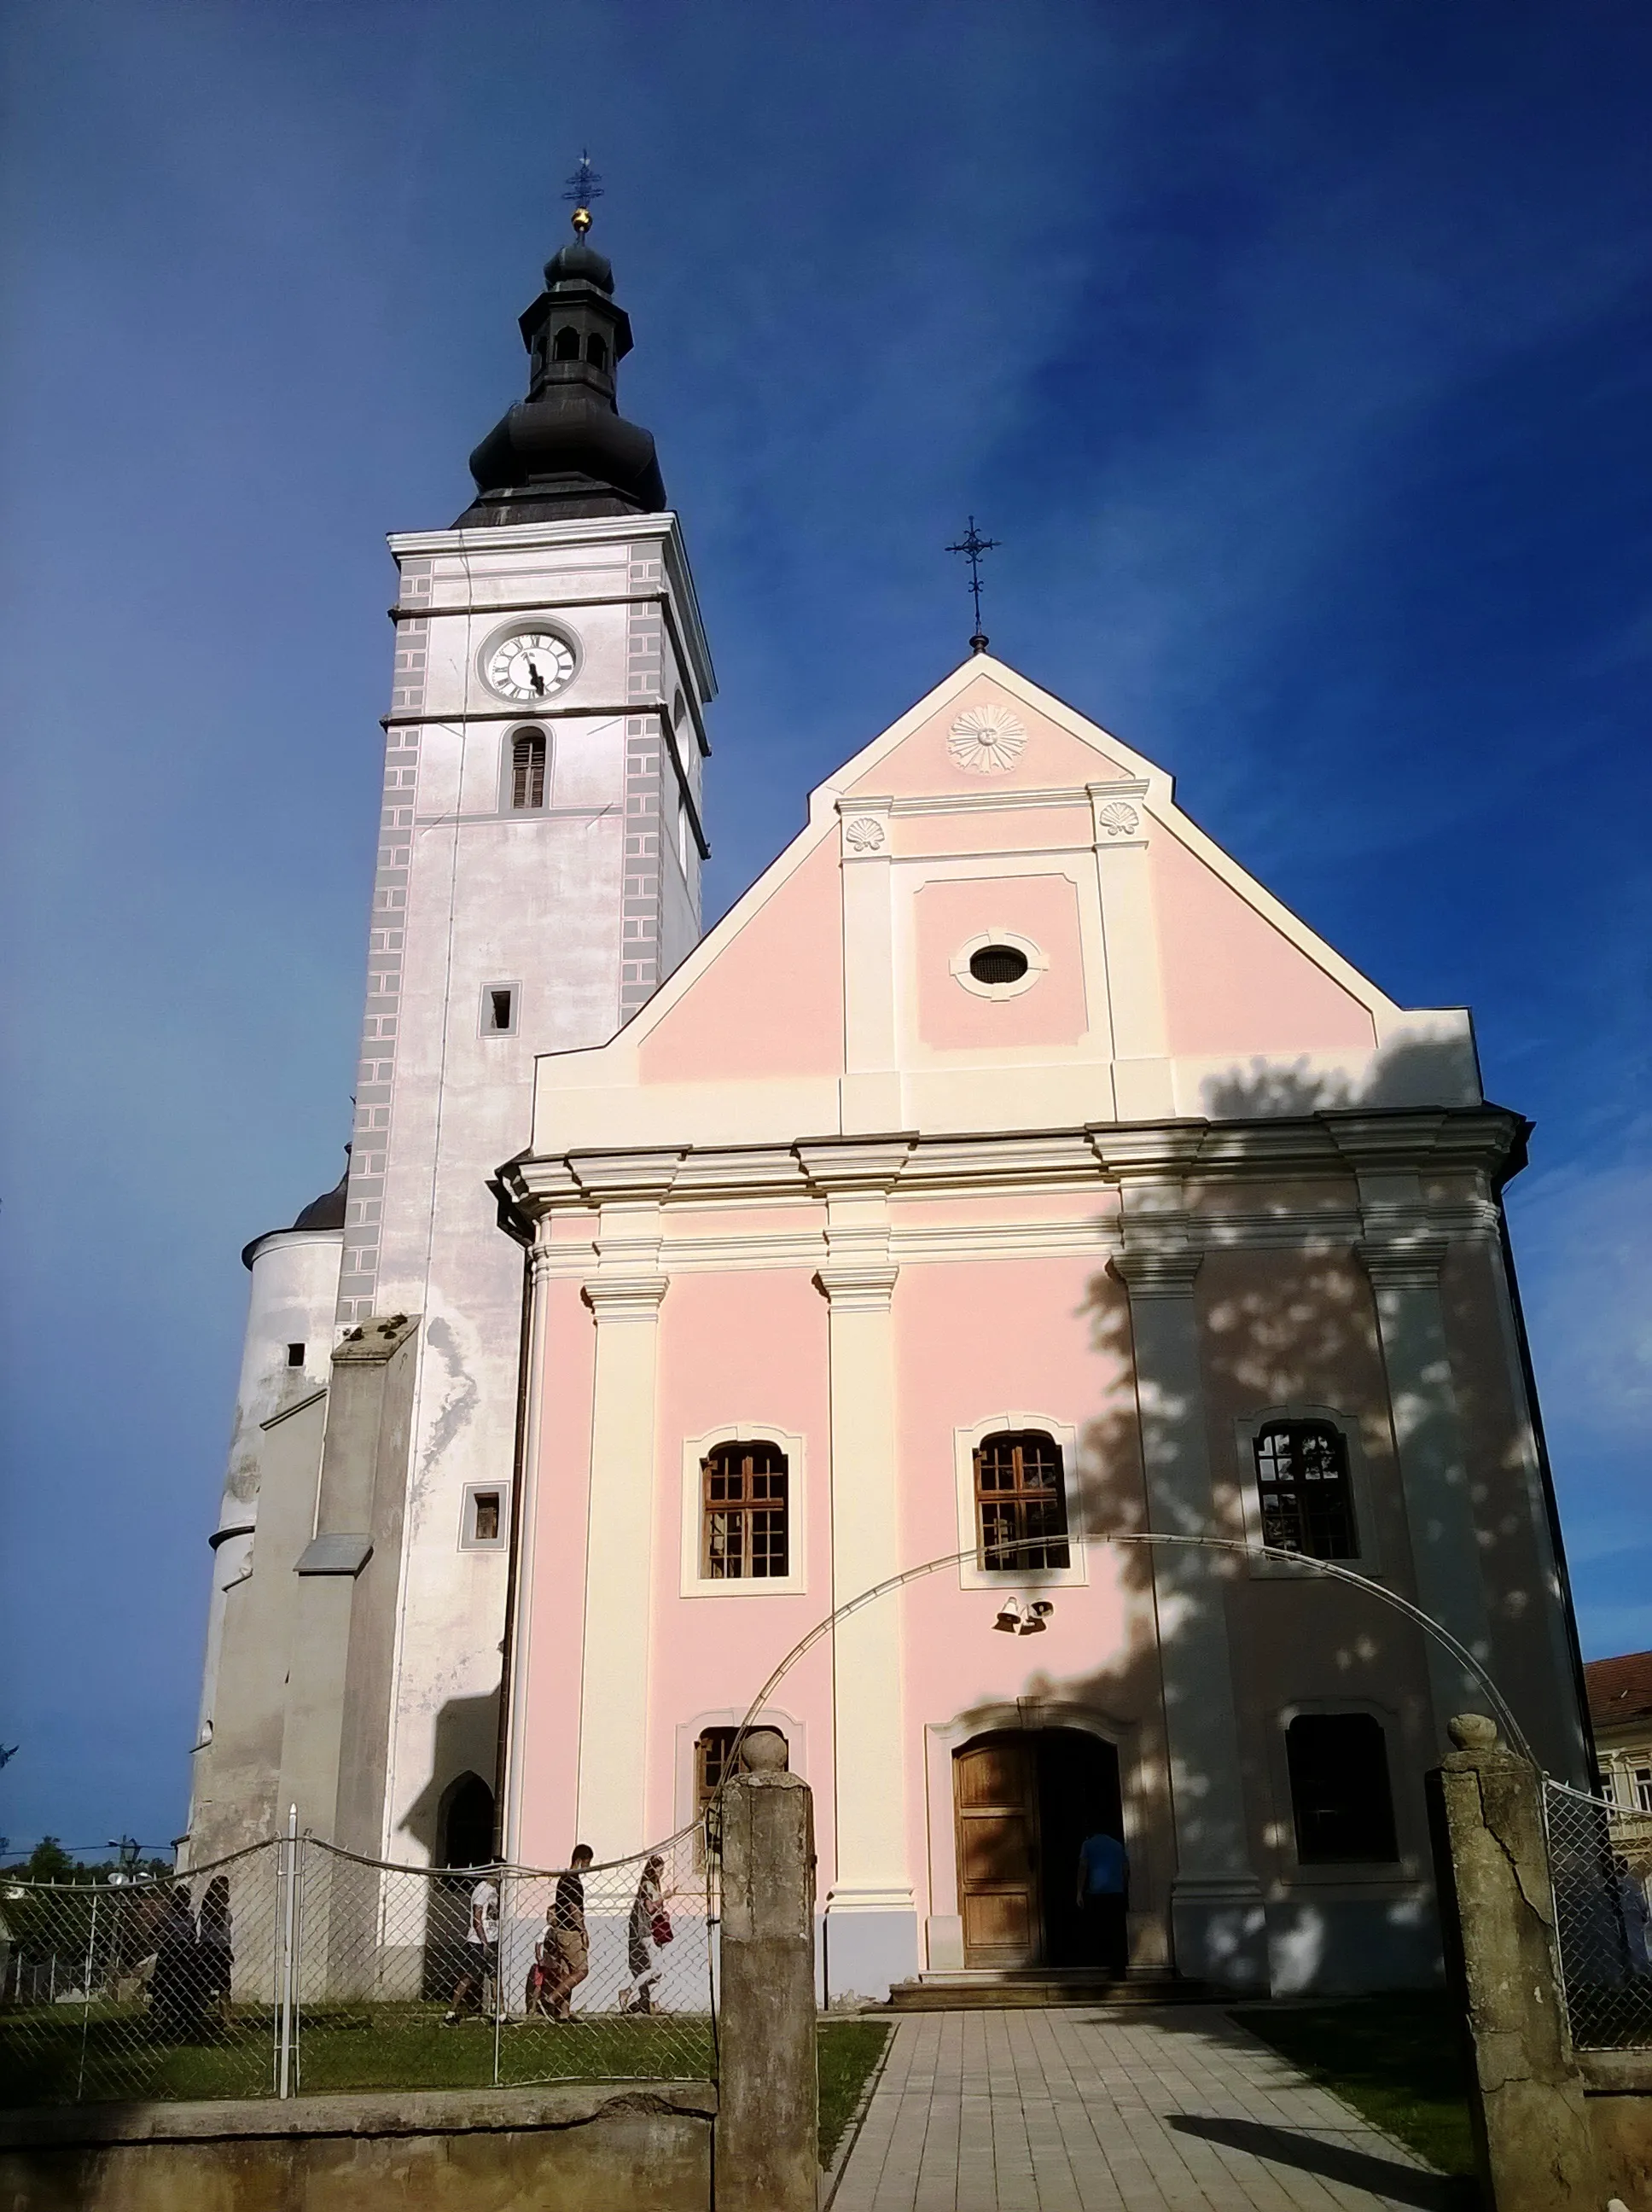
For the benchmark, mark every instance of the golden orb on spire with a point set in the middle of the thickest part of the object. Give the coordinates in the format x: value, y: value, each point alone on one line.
x: 583, y: 186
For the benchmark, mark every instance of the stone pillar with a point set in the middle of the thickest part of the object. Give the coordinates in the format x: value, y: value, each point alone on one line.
x: 1405, y: 1273
x: 1526, y: 2097
x: 624, y: 1296
x: 871, y: 1929
x: 1218, y: 1919
x: 768, y: 2119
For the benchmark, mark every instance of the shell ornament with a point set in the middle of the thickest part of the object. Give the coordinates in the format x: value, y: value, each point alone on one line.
x: 987, y: 740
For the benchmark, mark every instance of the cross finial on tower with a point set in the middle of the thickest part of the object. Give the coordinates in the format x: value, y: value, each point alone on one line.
x: 973, y: 544
x: 583, y: 186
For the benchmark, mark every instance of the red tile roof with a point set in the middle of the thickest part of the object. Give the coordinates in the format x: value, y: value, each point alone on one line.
x: 1619, y: 1690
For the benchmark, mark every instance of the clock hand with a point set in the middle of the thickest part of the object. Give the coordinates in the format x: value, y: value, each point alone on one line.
x: 536, y: 678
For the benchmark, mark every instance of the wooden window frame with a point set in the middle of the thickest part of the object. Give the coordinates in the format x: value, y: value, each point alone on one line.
x: 1249, y: 1428
x: 1300, y: 1430
x: 966, y: 1445
x: 515, y: 770
x: 695, y: 1581
x: 1014, y: 1506
x: 739, y: 1525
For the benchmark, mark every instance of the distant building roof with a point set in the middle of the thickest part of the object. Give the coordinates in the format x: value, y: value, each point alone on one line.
x: 1619, y: 1690
x: 326, y: 1212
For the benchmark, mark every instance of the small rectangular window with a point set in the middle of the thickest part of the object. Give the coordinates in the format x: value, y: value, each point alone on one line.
x: 1340, y: 1796
x: 499, y: 1002
x: 1643, y: 1789
x: 486, y: 1519
x: 295, y: 1355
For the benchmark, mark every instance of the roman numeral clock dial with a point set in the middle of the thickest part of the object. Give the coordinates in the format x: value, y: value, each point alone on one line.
x: 530, y: 665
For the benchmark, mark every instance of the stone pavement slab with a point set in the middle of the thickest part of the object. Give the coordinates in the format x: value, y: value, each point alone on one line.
x: 1071, y: 2110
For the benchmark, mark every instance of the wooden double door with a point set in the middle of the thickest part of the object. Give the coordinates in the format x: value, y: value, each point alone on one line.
x: 1023, y: 1802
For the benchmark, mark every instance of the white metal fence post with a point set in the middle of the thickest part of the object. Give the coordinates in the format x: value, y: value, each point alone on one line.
x: 287, y: 1971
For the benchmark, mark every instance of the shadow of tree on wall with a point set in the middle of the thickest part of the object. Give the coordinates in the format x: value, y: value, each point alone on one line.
x: 1413, y: 1071
x: 1302, y: 1331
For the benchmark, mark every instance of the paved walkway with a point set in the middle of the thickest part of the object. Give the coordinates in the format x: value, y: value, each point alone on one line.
x: 1071, y: 2109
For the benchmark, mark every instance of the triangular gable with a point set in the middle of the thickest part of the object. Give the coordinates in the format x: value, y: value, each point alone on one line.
x: 987, y: 763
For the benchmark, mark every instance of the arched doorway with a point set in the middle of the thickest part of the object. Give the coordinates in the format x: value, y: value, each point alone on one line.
x: 1025, y: 1799
x: 465, y: 1822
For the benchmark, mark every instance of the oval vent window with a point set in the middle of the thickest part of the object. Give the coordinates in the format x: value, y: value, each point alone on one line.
x: 997, y: 964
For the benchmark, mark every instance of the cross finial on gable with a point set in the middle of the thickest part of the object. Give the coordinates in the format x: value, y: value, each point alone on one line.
x: 973, y: 544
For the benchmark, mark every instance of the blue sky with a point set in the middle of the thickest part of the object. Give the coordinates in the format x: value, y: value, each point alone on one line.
x: 1298, y: 354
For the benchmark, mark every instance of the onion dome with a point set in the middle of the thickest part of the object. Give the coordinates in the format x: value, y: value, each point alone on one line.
x: 565, y: 450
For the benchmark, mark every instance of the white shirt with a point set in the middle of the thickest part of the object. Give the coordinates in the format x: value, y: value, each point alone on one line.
x: 484, y: 1901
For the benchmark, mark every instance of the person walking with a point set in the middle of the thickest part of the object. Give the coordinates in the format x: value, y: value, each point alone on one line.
x: 481, y: 1954
x: 1104, y: 1900
x: 216, y: 1953
x: 570, y: 1943
x: 648, y: 1929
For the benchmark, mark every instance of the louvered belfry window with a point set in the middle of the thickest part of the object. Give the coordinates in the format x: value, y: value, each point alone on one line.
x: 527, y: 769
x: 1021, y: 1503
x: 1301, y: 1478
x: 745, y: 1489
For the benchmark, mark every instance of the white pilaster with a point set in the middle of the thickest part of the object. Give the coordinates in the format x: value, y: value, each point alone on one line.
x: 1142, y: 1084
x: 624, y: 1296
x: 1217, y: 1909
x: 1428, y: 1435
x: 871, y: 1087
x: 872, y: 1925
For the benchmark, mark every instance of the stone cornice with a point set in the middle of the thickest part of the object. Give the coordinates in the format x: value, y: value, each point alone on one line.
x: 1158, y: 1271
x: 858, y: 1285
x: 1403, y: 1263
x: 855, y: 1163
x: 625, y: 1298
x: 1458, y: 1141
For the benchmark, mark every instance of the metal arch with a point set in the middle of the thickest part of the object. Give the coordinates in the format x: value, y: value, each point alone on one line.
x: 1466, y: 1658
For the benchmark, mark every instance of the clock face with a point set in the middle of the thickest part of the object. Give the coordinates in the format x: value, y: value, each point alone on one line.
x: 531, y: 666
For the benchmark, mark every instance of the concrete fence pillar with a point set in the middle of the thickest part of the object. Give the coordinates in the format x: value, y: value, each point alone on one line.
x: 1526, y: 2094
x: 768, y: 2120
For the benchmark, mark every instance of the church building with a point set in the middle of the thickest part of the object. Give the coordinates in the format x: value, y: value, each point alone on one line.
x: 1007, y: 1186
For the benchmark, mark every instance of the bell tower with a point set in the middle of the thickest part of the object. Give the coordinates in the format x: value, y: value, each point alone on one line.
x: 538, y: 876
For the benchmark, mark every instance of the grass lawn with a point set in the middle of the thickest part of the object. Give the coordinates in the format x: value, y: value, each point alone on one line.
x: 44, y: 2059
x: 1395, y: 2058
x: 849, y: 2051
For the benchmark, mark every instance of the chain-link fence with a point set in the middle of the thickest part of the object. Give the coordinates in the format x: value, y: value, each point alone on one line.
x: 153, y: 1988
x: 1600, y: 1862
x: 293, y: 1965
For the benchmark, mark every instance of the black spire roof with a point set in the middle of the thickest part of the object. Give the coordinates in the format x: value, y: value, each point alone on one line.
x: 565, y: 450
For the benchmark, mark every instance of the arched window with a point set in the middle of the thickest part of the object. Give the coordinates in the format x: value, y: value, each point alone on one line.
x: 596, y: 350
x: 567, y: 343
x: 745, y: 1510
x: 1021, y: 1503
x: 527, y: 769
x: 1341, y: 1799
x: 1301, y: 1478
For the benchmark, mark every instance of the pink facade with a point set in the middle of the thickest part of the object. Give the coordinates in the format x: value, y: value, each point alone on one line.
x: 1008, y: 1167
